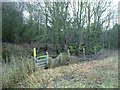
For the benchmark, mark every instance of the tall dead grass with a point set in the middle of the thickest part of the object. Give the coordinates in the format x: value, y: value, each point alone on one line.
x: 16, y: 70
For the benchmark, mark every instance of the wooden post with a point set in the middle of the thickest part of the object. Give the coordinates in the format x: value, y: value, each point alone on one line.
x: 34, y: 52
x: 95, y: 50
x: 47, y: 58
x: 68, y: 51
x: 84, y: 52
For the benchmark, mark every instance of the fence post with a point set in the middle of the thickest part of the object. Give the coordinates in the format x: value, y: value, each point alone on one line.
x: 68, y: 51
x: 84, y: 52
x: 47, y: 58
x: 34, y: 52
x: 95, y: 50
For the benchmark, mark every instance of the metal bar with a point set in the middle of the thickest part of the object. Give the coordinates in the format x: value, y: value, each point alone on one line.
x: 41, y: 60
x: 40, y: 63
x: 47, y: 58
x: 44, y: 56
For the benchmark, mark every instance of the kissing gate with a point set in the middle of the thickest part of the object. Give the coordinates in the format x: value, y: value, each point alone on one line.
x: 41, y: 60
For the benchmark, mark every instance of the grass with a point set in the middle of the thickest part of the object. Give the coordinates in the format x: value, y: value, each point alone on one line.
x: 15, y: 71
x: 88, y: 74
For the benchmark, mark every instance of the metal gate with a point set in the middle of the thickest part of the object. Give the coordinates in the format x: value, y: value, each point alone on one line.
x: 41, y: 61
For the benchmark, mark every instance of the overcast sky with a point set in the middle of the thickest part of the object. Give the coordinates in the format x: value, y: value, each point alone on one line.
x: 114, y: 1
x: 114, y: 4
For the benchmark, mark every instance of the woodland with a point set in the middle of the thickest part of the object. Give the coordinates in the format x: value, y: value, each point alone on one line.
x: 69, y: 32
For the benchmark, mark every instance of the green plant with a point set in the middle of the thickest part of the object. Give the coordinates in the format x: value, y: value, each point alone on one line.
x: 72, y: 49
x: 5, y: 55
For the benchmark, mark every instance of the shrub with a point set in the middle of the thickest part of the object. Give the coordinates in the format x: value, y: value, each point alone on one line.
x: 5, y: 55
x: 72, y: 49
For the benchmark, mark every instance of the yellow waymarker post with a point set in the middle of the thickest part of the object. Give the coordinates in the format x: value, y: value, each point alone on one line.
x: 34, y: 50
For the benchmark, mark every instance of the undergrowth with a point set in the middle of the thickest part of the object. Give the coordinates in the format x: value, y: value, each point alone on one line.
x: 16, y: 70
x: 102, y: 73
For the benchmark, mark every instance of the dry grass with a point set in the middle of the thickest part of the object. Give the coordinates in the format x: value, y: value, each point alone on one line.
x: 97, y: 73
x: 16, y: 70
